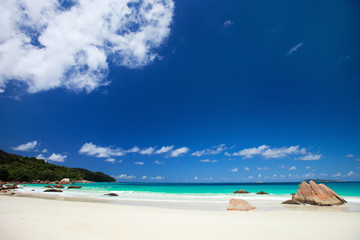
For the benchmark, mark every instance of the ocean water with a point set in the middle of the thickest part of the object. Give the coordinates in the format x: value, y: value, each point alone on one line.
x: 194, y: 192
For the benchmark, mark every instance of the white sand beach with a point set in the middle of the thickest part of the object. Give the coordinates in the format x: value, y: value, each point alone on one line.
x: 33, y: 218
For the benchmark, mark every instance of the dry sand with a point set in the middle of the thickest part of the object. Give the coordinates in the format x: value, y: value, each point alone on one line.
x: 32, y: 218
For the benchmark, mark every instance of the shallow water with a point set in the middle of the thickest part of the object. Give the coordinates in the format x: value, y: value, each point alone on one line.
x: 199, y: 196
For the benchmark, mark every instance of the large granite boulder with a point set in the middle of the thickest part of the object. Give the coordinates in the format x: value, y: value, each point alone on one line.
x: 316, y: 194
x: 241, y: 191
x: 59, y: 186
x: 239, y: 205
x: 65, y: 181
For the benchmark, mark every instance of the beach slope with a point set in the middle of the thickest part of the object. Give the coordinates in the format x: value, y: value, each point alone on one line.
x: 32, y: 218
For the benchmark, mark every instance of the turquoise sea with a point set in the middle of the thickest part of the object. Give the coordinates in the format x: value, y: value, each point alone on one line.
x: 195, y: 192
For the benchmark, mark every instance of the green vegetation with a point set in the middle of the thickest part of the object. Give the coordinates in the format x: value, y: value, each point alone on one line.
x: 17, y: 168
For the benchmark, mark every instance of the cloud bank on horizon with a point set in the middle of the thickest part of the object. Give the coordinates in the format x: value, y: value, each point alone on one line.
x: 50, y: 44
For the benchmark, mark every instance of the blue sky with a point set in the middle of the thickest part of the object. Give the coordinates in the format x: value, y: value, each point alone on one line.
x: 217, y: 91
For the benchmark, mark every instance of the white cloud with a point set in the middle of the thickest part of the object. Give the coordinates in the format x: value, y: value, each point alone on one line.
x: 292, y: 168
x: 179, y: 151
x: 111, y: 160
x: 307, y: 167
x: 133, y: 150
x: 120, y: 161
x: 227, y: 154
x: 157, y: 178
x: 44, y: 150
x: 250, y: 177
x: 295, y: 48
x: 124, y: 176
x: 208, y: 161
x: 259, y: 176
x: 234, y: 170
x: 351, y: 173
x: 164, y: 149
x: 283, y: 152
x: 282, y: 166
x: 309, y: 157
x: 26, y: 146
x: 262, y: 168
x: 350, y: 155
x: 144, y: 177
x: 159, y: 162
x: 139, y: 163
x: 250, y: 152
x: 210, y: 151
x: 337, y: 175
x: 147, y: 151
x: 195, y: 178
x: 40, y: 156
x: 247, y: 169
x: 46, y: 46
x: 56, y: 157
x: 267, y: 152
x: 91, y: 149
x: 228, y: 23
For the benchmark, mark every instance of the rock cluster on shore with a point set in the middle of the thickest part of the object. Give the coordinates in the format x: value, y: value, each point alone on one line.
x: 315, y: 194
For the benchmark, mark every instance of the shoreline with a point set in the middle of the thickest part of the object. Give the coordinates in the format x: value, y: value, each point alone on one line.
x: 262, y: 205
x: 34, y: 218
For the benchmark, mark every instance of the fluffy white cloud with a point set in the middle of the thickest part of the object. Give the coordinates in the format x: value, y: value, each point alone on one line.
x: 210, y: 151
x: 208, y: 161
x: 307, y: 167
x: 56, y: 157
x: 295, y: 48
x: 91, y: 149
x: 259, y: 176
x: 26, y: 146
x: 250, y: 152
x: 147, y: 151
x: 159, y: 162
x: 133, y: 150
x: 234, y: 170
x: 250, y: 177
x: 267, y: 152
x: 44, y: 150
x: 124, y: 176
x: 144, y: 177
x: 46, y: 46
x: 247, y: 169
x: 292, y: 168
x: 350, y: 155
x: 110, y: 160
x: 179, y: 151
x: 157, y: 178
x: 139, y: 163
x: 40, y: 156
x: 337, y: 175
x: 309, y: 157
x: 228, y: 23
x: 196, y: 178
x: 164, y: 149
x: 351, y: 173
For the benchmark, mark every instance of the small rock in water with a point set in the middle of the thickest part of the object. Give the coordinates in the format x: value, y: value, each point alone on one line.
x: 111, y: 194
x: 241, y: 191
x: 53, y: 190
x: 261, y: 192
